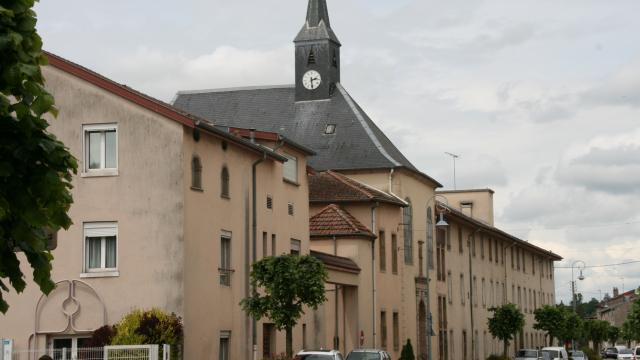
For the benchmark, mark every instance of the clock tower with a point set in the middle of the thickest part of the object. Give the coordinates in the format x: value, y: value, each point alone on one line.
x: 317, y: 55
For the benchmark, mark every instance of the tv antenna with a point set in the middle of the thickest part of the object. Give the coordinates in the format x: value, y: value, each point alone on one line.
x: 454, y: 157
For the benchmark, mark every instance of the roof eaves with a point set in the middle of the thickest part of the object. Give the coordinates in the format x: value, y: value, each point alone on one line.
x: 342, y: 235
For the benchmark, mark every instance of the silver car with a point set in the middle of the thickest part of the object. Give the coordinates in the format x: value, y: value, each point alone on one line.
x: 578, y: 355
x: 368, y: 354
x: 528, y: 354
x: 626, y: 354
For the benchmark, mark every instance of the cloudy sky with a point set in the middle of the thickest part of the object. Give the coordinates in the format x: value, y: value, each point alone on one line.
x: 540, y: 98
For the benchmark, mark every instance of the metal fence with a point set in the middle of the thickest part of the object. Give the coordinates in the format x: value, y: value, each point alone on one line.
x: 120, y: 352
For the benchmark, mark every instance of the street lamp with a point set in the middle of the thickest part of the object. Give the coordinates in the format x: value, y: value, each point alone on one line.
x: 581, y: 266
x: 441, y: 224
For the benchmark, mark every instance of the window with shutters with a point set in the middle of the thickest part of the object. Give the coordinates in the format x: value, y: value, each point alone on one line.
x: 100, y: 248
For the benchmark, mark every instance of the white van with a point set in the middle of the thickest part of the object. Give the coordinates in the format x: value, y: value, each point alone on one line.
x: 554, y: 353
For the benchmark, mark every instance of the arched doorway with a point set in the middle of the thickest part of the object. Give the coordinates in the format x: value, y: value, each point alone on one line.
x: 422, y: 331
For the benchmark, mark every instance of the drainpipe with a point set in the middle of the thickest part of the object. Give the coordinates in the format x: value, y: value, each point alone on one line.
x: 254, y: 230
x: 373, y: 270
x: 471, y: 300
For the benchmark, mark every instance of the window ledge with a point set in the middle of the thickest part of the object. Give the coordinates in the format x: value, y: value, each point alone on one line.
x: 197, y: 189
x: 99, y: 173
x: 101, y: 274
x: 291, y: 182
x: 224, y: 196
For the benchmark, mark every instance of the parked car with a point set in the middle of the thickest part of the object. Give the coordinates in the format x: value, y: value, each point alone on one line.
x: 554, y: 353
x: 528, y: 354
x: 368, y: 354
x: 318, y: 355
x: 636, y: 352
x: 578, y: 355
x: 612, y: 351
x: 626, y: 354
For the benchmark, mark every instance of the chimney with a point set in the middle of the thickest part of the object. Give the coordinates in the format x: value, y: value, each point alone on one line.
x: 252, y: 135
x: 616, y: 292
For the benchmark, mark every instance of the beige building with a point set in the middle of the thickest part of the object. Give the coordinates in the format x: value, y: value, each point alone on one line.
x: 616, y: 309
x: 167, y: 213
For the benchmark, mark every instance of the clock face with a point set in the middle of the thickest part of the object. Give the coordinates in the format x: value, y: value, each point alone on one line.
x: 311, y: 80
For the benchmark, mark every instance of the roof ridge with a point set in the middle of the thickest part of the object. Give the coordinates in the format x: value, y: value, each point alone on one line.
x: 349, y: 182
x: 235, y: 88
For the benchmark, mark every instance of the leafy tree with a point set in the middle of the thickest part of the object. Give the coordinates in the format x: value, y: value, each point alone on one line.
x: 573, y: 326
x: 35, y: 168
x: 407, y: 351
x: 634, y: 320
x: 596, y: 331
x: 507, y: 320
x: 628, y: 333
x: 552, y: 320
x: 288, y: 283
x: 613, y: 334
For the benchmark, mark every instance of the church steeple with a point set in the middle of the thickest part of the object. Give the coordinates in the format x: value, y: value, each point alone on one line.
x: 317, y: 55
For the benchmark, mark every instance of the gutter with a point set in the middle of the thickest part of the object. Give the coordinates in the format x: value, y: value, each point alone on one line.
x: 373, y: 270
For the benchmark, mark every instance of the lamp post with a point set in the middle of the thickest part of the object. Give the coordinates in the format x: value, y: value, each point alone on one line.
x: 573, y: 290
x: 441, y: 224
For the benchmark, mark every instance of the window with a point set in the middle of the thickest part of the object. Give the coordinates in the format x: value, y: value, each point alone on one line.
x: 489, y: 243
x: 493, y: 296
x: 407, y: 223
x: 473, y: 245
x: 223, y: 352
x: 484, y: 293
x: 429, y: 239
x: 443, y: 345
x: 533, y: 264
x: 512, y: 259
x: 464, y: 345
x: 463, y: 293
x: 225, y: 259
x: 482, y: 247
x: 396, y: 331
x: 273, y: 244
x: 101, y: 149
x: 475, y: 291
x: 101, y: 247
x: 383, y: 329
x: 330, y: 129
x: 290, y: 209
x: 524, y: 262
x: 334, y: 59
x: 296, y: 247
x: 196, y: 173
x: 269, y: 202
x: 449, y: 287
x: 460, y: 244
x: 264, y: 244
x: 73, y: 347
x: 383, y: 250
x: 268, y: 340
x: 224, y: 182
x: 304, y: 336
x: 394, y: 253
x: 290, y: 168
x: 312, y: 58
x: 440, y: 255
x: 495, y: 246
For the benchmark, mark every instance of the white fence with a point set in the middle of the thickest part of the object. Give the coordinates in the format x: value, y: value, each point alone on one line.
x: 120, y: 352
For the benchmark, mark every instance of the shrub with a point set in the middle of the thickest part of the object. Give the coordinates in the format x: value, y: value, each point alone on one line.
x: 150, y: 327
x: 591, y: 355
x: 407, y: 352
x: 102, y: 336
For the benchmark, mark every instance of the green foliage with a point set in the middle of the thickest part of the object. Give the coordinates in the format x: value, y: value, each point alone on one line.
x: 550, y: 319
x: 631, y: 326
x: 407, y: 351
x: 596, y: 331
x: 628, y: 333
x: 102, y: 336
x: 283, y: 286
x: 507, y: 320
x: 149, y: 327
x: 35, y: 168
x: 573, y: 326
x: 613, y: 334
x: 591, y: 355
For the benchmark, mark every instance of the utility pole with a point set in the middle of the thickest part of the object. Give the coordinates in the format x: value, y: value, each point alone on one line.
x: 454, y: 157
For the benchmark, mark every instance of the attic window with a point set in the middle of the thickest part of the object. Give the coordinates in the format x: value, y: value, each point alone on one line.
x: 269, y: 202
x: 290, y: 209
x: 330, y: 129
x: 312, y: 58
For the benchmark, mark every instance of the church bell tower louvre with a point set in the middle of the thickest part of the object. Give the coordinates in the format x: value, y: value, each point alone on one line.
x: 317, y: 55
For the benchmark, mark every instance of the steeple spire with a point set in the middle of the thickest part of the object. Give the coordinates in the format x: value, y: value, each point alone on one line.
x: 316, y: 12
x: 317, y: 25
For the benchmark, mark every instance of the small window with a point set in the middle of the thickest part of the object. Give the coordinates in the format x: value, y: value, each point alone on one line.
x: 449, y: 287
x: 269, y: 202
x: 224, y: 183
x: 290, y: 209
x: 196, y: 173
x: 100, y: 148
x: 273, y: 244
x: 312, y: 58
x: 100, y: 247
x: 330, y: 129
x: 290, y: 168
x: 296, y: 247
x: 396, y: 331
x: 223, y: 351
x: 225, y: 269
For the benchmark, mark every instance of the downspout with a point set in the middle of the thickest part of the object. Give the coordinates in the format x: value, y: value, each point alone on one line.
x: 254, y: 230
x: 336, y: 330
x: 471, y: 298
x: 373, y: 270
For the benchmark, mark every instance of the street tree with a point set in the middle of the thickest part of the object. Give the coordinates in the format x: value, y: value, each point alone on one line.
x: 507, y: 320
x: 597, y: 331
x: 613, y: 334
x: 283, y: 286
x: 628, y: 333
x: 573, y: 326
x: 35, y: 168
x: 552, y: 320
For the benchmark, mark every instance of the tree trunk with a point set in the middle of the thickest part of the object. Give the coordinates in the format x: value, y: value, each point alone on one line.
x: 289, y: 335
x: 505, y: 345
x: 550, y: 340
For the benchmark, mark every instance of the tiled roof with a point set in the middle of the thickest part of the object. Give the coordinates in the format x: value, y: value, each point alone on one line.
x: 336, y: 221
x: 333, y: 187
x: 357, y: 142
x: 336, y: 262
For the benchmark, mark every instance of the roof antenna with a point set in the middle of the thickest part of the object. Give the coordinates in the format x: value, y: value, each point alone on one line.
x: 454, y: 157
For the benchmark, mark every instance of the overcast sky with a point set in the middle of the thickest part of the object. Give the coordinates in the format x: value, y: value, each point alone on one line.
x: 541, y: 99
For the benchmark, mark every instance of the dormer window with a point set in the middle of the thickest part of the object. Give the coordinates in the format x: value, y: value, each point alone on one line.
x: 330, y: 129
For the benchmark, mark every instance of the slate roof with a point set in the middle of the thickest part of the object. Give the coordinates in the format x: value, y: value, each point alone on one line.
x: 317, y: 25
x: 336, y: 221
x: 336, y: 262
x: 356, y: 144
x: 333, y: 187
